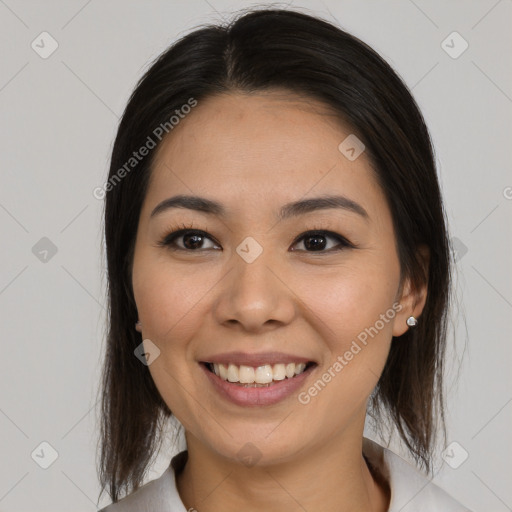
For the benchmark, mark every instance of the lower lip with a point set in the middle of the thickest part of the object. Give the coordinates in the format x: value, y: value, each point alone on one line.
x: 254, y: 396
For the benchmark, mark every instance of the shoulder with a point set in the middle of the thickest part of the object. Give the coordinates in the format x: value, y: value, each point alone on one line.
x: 411, y: 490
x: 160, y: 494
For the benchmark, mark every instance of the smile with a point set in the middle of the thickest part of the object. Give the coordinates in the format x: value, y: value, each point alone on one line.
x: 257, y: 386
x: 257, y: 376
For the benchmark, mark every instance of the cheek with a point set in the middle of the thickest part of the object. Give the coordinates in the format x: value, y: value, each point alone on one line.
x: 355, y: 315
x: 354, y: 300
x: 169, y: 304
x: 358, y: 340
x: 168, y: 298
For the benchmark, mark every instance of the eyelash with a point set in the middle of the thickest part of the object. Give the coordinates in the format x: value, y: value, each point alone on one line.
x: 168, y: 241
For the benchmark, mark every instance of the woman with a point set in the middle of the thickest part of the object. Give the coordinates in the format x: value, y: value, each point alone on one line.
x: 279, y: 270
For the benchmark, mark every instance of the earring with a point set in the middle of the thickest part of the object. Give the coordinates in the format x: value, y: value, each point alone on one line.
x: 138, y: 326
x: 411, y: 321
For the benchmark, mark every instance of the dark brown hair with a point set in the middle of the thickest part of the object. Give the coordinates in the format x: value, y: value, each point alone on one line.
x: 265, y: 50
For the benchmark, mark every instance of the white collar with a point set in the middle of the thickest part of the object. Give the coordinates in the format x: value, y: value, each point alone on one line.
x: 411, y: 491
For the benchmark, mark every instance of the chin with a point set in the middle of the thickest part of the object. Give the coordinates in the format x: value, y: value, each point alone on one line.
x: 254, y: 449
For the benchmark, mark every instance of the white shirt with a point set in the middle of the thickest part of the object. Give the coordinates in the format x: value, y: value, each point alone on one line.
x: 411, y: 491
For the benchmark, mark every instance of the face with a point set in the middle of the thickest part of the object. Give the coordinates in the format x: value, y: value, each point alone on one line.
x: 257, y: 286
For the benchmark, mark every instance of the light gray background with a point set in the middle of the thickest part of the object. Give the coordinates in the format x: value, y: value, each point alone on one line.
x: 58, y: 118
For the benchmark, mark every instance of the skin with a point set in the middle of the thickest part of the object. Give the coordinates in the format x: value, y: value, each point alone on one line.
x: 254, y: 153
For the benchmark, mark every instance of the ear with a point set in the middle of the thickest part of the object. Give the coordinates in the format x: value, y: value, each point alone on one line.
x: 412, y: 299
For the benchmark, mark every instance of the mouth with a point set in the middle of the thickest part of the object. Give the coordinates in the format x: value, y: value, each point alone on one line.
x: 259, y: 376
x: 256, y: 386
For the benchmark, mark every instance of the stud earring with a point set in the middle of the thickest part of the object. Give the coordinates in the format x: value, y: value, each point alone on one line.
x: 411, y: 321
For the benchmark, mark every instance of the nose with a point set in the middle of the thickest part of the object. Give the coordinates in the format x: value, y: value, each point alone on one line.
x: 254, y: 297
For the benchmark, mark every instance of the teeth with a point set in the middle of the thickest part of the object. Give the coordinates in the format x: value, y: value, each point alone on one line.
x: 223, y: 371
x: 299, y: 368
x: 260, y: 375
x: 246, y: 374
x: 233, y: 373
x: 279, y: 372
x: 264, y: 374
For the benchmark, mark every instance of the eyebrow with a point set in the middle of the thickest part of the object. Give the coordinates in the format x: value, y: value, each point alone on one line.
x: 292, y: 209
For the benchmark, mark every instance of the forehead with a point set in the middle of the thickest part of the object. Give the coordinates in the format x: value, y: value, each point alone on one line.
x: 257, y: 150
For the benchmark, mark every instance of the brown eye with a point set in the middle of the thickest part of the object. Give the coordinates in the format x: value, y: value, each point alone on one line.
x: 192, y: 240
x: 317, y: 241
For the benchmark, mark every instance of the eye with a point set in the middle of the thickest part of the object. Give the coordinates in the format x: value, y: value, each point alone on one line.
x: 191, y: 240
x: 316, y: 241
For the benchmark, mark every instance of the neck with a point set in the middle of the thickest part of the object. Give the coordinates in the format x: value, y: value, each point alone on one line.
x: 333, y: 477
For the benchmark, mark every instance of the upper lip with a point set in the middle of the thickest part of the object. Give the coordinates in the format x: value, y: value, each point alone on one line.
x: 259, y: 359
